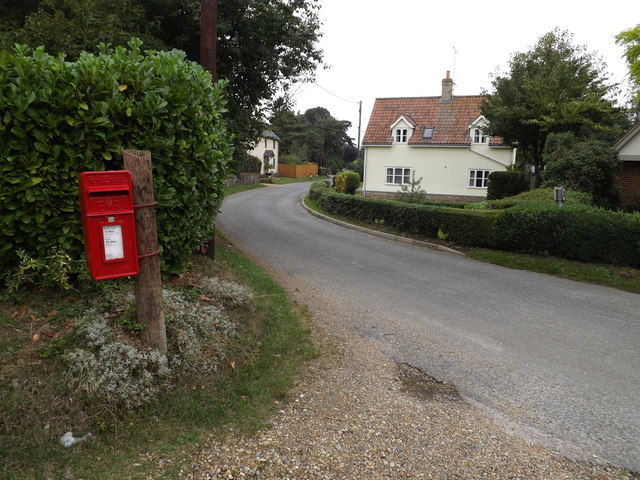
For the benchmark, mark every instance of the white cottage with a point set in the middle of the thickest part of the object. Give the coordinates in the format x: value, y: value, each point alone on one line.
x: 439, y: 139
x: 267, y: 150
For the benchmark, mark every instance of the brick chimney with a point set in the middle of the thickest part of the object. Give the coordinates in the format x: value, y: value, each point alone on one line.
x: 447, y: 89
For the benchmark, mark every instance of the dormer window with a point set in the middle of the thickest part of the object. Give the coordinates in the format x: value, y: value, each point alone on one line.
x: 479, y: 136
x: 402, y: 135
x: 428, y: 133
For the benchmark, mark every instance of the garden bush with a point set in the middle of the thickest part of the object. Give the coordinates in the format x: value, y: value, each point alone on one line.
x: 317, y: 189
x: 60, y: 118
x: 506, y: 184
x: 577, y: 232
x: 245, y: 163
x: 469, y: 228
x: 540, y: 195
x: 347, y: 182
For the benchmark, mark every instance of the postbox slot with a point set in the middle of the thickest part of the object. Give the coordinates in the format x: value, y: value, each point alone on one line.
x: 110, y: 193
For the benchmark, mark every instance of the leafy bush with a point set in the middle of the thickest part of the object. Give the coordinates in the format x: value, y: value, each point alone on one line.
x: 472, y: 228
x: 338, y: 183
x: 347, y: 182
x: 540, y: 195
x: 61, y: 118
x: 575, y: 232
x: 412, y: 193
x: 52, y: 271
x: 357, y: 166
x: 245, y: 163
x: 506, y: 184
x: 587, y: 165
x: 318, y: 188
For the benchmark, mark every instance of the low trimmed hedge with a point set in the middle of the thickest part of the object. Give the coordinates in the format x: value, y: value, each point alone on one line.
x: 577, y: 232
x: 460, y: 226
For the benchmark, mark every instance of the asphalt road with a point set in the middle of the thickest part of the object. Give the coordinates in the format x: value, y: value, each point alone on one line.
x: 554, y: 361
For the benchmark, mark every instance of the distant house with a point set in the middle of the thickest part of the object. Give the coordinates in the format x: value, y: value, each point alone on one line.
x: 628, y: 148
x: 266, y: 150
x: 438, y: 139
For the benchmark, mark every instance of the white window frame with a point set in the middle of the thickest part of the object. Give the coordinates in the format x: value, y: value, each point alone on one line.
x: 479, y: 137
x: 482, y: 179
x: 404, y: 174
x: 401, y: 135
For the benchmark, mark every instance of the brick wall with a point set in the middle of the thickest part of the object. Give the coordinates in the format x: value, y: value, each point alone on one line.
x: 629, y: 183
x: 432, y: 198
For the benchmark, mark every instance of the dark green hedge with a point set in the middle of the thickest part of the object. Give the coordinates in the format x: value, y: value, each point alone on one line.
x: 506, y: 184
x: 576, y: 232
x: 461, y: 227
x: 60, y: 118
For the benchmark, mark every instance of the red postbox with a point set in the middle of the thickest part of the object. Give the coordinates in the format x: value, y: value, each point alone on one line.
x: 106, y: 206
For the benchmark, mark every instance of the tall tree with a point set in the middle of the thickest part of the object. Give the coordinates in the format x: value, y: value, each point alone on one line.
x: 316, y: 132
x: 555, y: 87
x: 71, y: 26
x: 263, y: 49
x: 630, y: 39
x: 588, y: 165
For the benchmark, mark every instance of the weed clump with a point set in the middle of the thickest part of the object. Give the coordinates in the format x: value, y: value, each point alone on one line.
x: 230, y: 293
x: 113, y: 371
x: 196, y: 334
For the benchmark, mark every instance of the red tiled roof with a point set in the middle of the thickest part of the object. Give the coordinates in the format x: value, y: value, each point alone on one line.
x: 450, y: 119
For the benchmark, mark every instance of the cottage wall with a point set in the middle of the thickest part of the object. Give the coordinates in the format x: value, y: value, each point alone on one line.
x: 444, y: 171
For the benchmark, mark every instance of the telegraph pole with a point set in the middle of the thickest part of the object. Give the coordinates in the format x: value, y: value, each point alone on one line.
x: 209, y: 35
x: 359, y: 124
x: 208, y: 54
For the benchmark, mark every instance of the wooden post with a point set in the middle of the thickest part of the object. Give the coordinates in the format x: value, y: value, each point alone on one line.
x: 148, y: 283
x: 209, y: 35
x: 208, y: 59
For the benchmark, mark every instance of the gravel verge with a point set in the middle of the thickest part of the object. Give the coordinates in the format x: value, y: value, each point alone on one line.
x: 356, y: 414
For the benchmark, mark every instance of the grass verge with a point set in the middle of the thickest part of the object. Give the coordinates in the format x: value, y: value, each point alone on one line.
x: 241, y: 188
x: 157, y: 441
x: 286, y: 180
x: 620, y: 277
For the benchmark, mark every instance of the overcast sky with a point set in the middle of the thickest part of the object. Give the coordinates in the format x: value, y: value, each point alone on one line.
x: 404, y: 48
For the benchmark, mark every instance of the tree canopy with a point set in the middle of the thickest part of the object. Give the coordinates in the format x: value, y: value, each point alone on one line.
x: 630, y: 39
x: 315, y: 136
x: 263, y: 47
x: 589, y: 165
x: 555, y: 87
